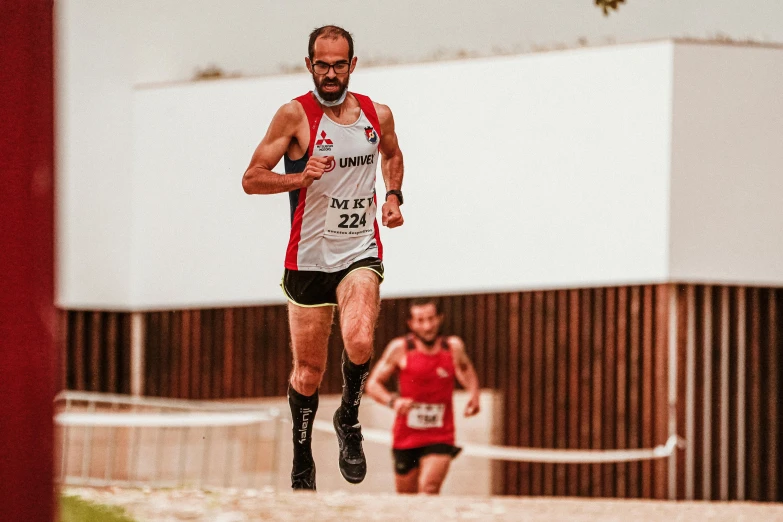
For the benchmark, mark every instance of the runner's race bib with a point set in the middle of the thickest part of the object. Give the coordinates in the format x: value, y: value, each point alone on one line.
x: 424, y: 416
x: 350, y: 217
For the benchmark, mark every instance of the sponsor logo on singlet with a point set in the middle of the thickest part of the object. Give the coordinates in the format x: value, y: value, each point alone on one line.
x: 324, y: 144
x: 371, y: 135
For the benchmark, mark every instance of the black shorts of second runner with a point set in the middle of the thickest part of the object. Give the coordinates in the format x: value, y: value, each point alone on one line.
x: 406, y: 460
x: 312, y: 288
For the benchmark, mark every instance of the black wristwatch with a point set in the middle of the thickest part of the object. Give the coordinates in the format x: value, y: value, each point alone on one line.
x: 397, y: 193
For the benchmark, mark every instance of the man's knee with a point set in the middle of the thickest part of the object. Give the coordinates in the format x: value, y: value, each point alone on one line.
x: 306, y: 377
x: 358, y: 343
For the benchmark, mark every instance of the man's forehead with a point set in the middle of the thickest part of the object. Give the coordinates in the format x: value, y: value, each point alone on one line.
x: 330, y: 47
x: 425, y: 309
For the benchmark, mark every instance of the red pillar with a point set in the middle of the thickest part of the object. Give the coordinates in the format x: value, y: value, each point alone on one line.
x: 27, y: 350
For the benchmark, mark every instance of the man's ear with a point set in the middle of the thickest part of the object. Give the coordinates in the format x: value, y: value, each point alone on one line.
x: 309, y: 64
x: 353, y: 65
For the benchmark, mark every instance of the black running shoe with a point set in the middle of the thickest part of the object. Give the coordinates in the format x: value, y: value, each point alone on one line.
x: 353, y: 465
x: 303, y: 479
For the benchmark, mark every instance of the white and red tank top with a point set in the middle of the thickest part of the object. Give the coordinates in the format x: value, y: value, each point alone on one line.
x: 428, y: 379
x: 333, y: 220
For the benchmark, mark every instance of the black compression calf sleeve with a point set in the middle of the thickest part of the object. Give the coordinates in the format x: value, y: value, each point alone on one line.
x: 303, y: 410
x: 354, y: 377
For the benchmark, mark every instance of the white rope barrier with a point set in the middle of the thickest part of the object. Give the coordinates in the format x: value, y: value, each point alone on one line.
x: 161, y: 420
x: 562, y: 456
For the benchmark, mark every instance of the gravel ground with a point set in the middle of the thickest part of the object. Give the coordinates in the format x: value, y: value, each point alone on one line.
x: 250, y: 505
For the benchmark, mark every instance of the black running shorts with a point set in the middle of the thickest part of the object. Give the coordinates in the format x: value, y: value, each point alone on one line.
x: 312, y: 288
x: 406, y: 460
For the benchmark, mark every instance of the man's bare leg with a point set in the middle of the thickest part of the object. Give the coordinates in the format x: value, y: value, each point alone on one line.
x: 432, y: 472
x: 407, y: 483
x: 358, y: 300
x: 310, y: 328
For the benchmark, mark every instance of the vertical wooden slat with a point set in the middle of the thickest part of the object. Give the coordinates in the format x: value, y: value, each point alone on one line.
x: 164, y: 354
x: 237, y: 378
x: 176, y: 353
x: 668, y: 305
x: 218, y: 354
x: 634, y: 389
x: 64, y: 342
x: 502, y: 342
x: 676, y: 476
x: 228, y: 352
x: 740, y: 415
x: 149, y: 353
x: 137, y: 345
x: 491, y: 358
x: 597, y: 361
x: 207, y: 360
x: 480, y: 358
x: 537, y: 411
x: 250, y: 342
x: 707, y: 398
x: 259, y: 346
x: 513, y: 392
x: 526, y: 395
x: 648, y: 388
x: 773, y: 433
x: 550, y: 376
x: 622, y: 383
x: 126, y: 329
x: 112, y: 352
x: 724, y: 395
x: 95, y: 352
x: 561, y: 361
x: 609, y: 394
x: 690, y: 394
x: 574, y: 376
x: 196, y: 356
x: 586, y: 386
x: 186, y: 357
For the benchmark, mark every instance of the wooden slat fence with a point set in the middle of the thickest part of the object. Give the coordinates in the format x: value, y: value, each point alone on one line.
x: 580, y: 368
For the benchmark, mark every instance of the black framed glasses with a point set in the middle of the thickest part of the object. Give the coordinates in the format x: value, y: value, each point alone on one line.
x: 323, y: 67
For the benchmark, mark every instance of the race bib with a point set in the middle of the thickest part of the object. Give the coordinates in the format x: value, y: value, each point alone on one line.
x: 424, y: 416
x: 350, y: 217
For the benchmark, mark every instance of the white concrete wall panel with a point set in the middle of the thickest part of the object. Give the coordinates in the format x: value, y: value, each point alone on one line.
x: 727, y: 166
x: 94, y: 144
x: 532, y: 171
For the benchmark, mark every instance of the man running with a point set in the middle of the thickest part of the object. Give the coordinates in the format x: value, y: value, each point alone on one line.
x: 423, y: 434
x: 329, y: 139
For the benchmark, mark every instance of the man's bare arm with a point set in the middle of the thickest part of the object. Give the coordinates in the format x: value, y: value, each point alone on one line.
x: 391, y: 166
x: 380, y: 375
x: 466, y: 374
x: 259, y: 178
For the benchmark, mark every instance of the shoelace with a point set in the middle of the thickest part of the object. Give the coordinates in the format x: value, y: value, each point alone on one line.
x: 353, y: 439
x: 302, y: 479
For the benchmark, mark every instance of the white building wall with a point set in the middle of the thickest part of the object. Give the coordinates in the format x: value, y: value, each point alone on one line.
x: 525, y: 172
x: 94, y: 141
x: 727, y: 166
x: 105, y: 48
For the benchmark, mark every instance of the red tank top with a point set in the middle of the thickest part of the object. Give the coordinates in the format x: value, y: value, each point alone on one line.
x: 428, y: 379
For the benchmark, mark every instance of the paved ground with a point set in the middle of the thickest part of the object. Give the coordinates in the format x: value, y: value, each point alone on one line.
x: 245, y: 506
